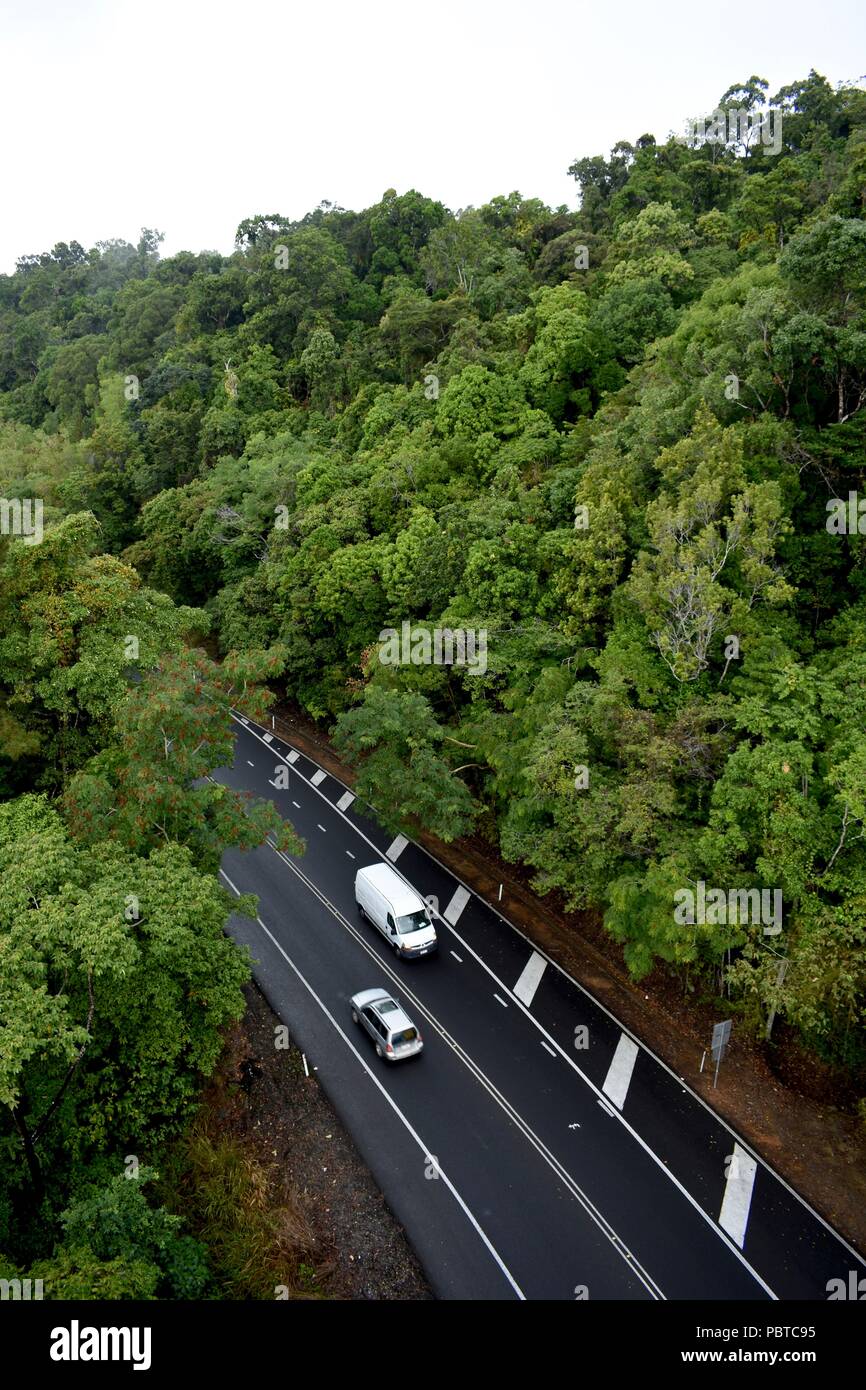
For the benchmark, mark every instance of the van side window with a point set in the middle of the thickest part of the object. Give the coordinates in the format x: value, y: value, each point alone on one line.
x: 390, y: 920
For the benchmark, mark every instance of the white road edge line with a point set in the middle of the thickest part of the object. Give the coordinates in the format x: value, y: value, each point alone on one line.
x: 425, y: 1149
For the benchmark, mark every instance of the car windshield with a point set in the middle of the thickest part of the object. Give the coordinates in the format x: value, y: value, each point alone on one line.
x: 413, y: 921
x: 408, y: 1035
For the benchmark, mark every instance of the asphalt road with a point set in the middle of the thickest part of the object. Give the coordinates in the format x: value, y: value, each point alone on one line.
x: 535, y: 1149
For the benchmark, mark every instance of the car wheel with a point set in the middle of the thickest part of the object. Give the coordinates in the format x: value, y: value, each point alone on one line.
x: 397, y: 952
x: 379, y: 1050
x: 355, y: 1018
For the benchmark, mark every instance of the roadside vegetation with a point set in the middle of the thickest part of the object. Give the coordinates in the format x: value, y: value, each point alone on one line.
x: 624, y: 444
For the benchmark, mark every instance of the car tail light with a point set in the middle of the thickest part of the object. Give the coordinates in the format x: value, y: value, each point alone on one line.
x: 388, y: 1047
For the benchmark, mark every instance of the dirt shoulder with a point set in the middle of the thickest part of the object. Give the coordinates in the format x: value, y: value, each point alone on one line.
x: 795, y: 1112
x: 262, y: 1097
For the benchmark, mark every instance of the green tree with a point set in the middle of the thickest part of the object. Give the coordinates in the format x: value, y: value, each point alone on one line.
x: 150, y: 785
x: 68, y: 617
x: 714, y: 551
x: 396, y: 743
x: 117, y: 980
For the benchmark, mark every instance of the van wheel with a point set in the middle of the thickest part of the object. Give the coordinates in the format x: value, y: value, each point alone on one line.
x: 355, y: 1016
x: 397, y: 952
x: 379, y: 1052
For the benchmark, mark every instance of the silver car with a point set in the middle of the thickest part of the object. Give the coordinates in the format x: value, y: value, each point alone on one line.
x: 393, y: 1032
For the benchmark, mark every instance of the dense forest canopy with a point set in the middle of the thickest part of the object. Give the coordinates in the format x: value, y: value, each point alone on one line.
x: 616, y: 441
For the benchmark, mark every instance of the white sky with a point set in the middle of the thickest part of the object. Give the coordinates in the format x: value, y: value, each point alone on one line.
x: 189, y: 115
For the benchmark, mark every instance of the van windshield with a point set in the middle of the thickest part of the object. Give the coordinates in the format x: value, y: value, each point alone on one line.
x: 413, y: 921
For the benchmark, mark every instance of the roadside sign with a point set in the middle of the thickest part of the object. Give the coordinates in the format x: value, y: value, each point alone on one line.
x: 721, y: 1033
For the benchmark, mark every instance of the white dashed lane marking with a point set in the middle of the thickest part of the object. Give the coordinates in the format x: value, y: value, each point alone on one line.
x: 396, y: 848
x: 500, y: 1001
x: 269, y: 738
x: 734, y: 1216
x: 293, y: 756
x: 456, y: 905
x: 345, y: 801
x: 530, y: 978
x: 619, y: 1072
x: 318, y: 777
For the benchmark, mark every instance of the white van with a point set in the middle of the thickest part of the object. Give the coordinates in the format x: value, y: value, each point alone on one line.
x: 401, y: 915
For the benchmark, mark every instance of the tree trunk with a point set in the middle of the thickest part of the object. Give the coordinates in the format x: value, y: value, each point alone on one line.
x: 33, y: 1164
